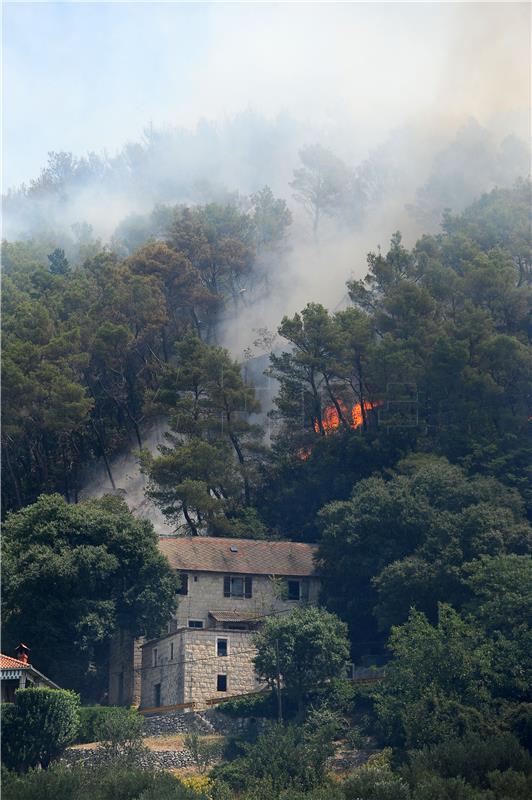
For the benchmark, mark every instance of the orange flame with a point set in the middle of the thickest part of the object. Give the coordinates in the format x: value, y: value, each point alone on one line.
x: 330, y: 419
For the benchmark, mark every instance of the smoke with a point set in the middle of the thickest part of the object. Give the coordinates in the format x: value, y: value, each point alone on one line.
x: 429, y: 104
x: 128, y: 480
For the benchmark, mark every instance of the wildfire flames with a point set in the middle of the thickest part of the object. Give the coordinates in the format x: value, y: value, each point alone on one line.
x: 330, y: 419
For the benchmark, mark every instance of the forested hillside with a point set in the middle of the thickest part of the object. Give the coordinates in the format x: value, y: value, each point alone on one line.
x: 398, y: 443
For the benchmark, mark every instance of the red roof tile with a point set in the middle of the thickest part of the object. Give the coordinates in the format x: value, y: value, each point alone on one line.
x: 251, y: 557
x: 6, y: 662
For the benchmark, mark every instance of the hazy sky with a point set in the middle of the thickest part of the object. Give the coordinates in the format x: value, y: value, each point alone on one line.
x: 90, y: 76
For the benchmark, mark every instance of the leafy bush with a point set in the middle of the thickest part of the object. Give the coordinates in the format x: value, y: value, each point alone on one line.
x: 510, y: 785
x: 282, y: 758
x: 519, y: 719
x: 338, y: 694
x: 38, y: 727
x: 120, y: 735
x: 434, y: 787
x: 375, y: 780
x: 91, y: 722
x: 471, y: 758
x: 102, y: 783
x: 203, y: 752
x: 256, y: 705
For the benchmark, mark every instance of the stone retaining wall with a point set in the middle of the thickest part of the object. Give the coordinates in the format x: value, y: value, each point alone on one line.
x: 206, y: 723
x: 153, y: 759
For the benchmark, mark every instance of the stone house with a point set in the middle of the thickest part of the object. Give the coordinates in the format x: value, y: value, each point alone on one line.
x: 228, y: 587
x: 18, y: 673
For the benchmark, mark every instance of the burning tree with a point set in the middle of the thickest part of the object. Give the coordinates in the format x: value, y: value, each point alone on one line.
x: 323, y: 380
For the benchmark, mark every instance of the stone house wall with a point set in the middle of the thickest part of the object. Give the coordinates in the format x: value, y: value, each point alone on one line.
x: 185, y: 666
x: 125, y: 659
x: 206, y: 593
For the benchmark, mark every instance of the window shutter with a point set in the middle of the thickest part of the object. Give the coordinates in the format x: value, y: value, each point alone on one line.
x: 248, y: 587
x: 227, y: 586
x: 183, y: 589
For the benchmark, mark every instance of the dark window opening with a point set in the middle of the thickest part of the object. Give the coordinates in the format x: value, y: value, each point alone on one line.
x: 221, y: 647
x: 171, y: 651
x: 195, y: 623
x: 294, y: 588
x: 157, y: 695
x: 238, y: 586
x: 183, y: 588
x: 221, y: 683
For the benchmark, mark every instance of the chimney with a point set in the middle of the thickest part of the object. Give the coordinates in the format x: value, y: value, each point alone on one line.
x: 23, y: 653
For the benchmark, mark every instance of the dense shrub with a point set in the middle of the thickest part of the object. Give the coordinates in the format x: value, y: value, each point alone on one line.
x: 38, y: 727
x: 255, y: 705
x: 203, y: 752
x: 91, y: 721
x: 519, y: 719
x: 471, y: 758
x: 120, y: 735
x: 376, y: 781
x: 283, y: 758
x: 102, y: 783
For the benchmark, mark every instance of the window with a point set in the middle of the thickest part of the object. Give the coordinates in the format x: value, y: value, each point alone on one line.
x: 183, y: 589
x: 221, y: 647
x: 238, y: 586
x: 221, y: 683
x: 171, y: 651
x: 154, y: 655
x: 294, y: 590
x: 157, y: 695
x: 195, y: 623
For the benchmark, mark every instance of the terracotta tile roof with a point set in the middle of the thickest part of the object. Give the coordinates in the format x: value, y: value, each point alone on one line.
x: 6, y: 662
x: 251, y: 557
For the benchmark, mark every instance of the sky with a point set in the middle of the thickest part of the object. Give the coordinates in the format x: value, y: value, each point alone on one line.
x: 92, y: 76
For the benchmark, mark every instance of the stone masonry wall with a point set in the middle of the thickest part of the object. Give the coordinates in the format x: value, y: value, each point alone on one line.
x: 125, y: 658
x: 186, y: 667
x: 206, y: 593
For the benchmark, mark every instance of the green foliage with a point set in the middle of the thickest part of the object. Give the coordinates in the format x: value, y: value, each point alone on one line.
x: 412, y: 540
x: 86, y: 341
x: 308, y: 647
x: 259, y: 705
x: 207, y: 470
x: 437, y: 686
x: 38, y: 727
x: 203, y: 753
x: 471, y: 758
x: 58, y: 262
x: 120, y: 736
x: 73, y: 575
x: 91, y: 719
x: 375, y: 780
x: 283, y: 758
x: 99, y: 783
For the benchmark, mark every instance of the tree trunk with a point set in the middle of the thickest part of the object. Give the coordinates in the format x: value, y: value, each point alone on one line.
x: 336, y: 403
x: 104, y: 455
x: 13, y: 476
x: 188, y: 518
